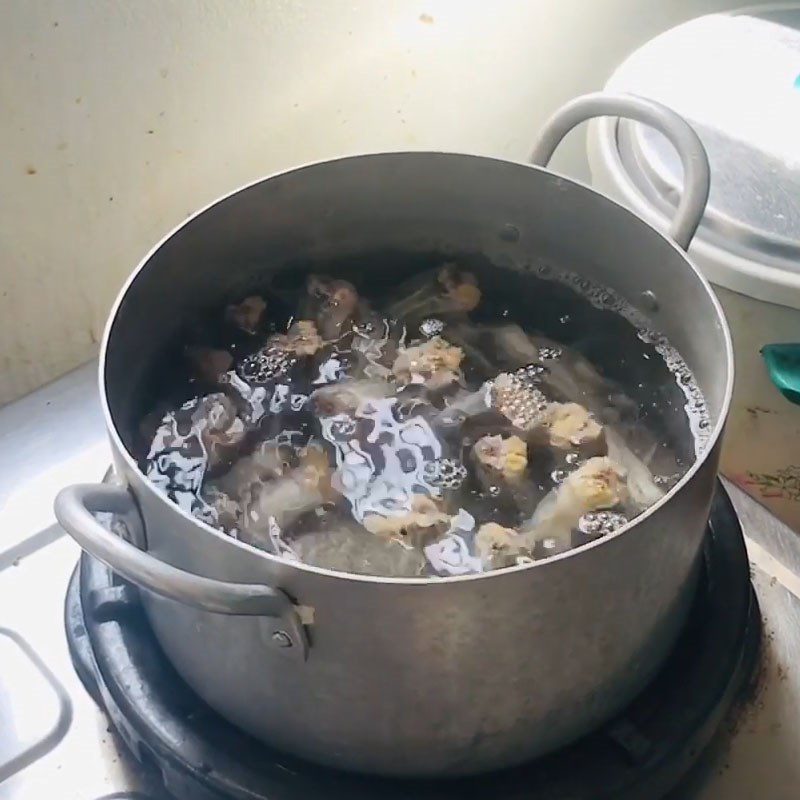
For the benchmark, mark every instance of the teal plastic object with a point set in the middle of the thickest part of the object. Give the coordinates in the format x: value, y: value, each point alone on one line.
x: 783, y: 365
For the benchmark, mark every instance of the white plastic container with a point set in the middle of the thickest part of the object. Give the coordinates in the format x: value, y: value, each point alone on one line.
x: 736, y: 78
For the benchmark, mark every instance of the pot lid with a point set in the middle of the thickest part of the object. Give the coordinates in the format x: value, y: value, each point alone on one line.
x: 736, y: 79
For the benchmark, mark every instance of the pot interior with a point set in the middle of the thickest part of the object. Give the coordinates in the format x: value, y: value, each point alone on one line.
x: 375, y: 220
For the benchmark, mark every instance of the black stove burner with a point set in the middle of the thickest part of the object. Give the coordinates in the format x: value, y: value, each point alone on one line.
x: 642, y: 754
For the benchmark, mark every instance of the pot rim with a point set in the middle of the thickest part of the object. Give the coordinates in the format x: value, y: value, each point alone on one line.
x: 710, y: 445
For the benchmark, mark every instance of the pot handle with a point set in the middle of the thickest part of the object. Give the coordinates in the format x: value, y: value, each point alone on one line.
x: 75, y: 508
x: 696, y: 179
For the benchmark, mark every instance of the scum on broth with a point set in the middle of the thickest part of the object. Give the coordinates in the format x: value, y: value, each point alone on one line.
x: 425, y: 429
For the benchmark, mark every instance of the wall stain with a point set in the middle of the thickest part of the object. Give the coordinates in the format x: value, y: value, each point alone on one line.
x: 754, y: 411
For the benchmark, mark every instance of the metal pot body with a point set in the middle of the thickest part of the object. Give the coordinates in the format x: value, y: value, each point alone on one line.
x: 411, y: 677
x: 442, y: 678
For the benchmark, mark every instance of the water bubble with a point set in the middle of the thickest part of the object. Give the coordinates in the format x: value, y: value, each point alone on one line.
x: 549, y: 544
x: 549, y: 353
x: 445, y: 473
x: 565, y: 319
x: 582, y: 284
x: 531, y: 373
x: 572, y: 458
x: 649, y: 300
x: 431, y: 327
x: 558, y: 475
x: 601, y: 523
x: 606, y: 299
x: 494, y: 491
x: 265, y: 365
x: 663, y: 480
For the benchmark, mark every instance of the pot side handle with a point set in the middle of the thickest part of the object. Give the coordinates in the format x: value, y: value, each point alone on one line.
x: 696, y: 180
x: 75, y: 508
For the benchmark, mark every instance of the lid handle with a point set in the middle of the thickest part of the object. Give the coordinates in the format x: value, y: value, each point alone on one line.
x: 696, y: 180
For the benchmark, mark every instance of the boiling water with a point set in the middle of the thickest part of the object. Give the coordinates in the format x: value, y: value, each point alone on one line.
x: 441, y: 427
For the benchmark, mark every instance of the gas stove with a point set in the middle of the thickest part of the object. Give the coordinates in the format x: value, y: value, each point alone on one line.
x: 56, y: 740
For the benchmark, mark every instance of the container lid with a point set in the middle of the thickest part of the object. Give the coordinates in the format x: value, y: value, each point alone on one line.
x: 736, y: 79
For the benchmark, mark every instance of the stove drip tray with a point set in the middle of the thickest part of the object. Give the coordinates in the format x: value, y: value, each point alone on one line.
x: 644, y: 753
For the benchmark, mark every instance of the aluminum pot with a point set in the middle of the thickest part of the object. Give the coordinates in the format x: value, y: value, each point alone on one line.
x: 414, y: 677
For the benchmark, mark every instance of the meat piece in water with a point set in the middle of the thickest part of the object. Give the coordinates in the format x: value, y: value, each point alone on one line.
x: 374, y: 345
x: 598, y: 484
x: 642, y: 487
x: 452, y: 291
x: 347, y: 397
x: 501, y: 466
x: 279, y: 503
x: 249, y: 393
x: 499, y: 546
x: 225, y: 510
x: 499, y: 458
x: 349, y: 548
x: 572, y: 377
x: 422, y: 521
x: 570, y: 427
x: 333, y: 304
x: 279, y: 355
x: 563, y: 373
x: 202, y: 435
x: 434, y: 363
x: 463, y: 405
x: 208, y: 364
x: 248, y: 314
x: 268, y: 461
x: 302, y: 339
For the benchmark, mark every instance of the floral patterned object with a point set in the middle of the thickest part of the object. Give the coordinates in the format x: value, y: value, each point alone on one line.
x: 783, y: 483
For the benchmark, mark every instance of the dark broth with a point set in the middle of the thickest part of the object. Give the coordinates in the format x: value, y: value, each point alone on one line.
x: 490, y: 488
